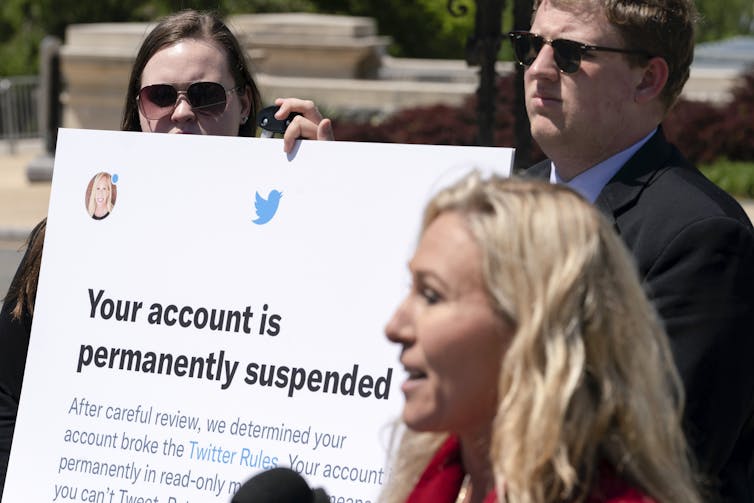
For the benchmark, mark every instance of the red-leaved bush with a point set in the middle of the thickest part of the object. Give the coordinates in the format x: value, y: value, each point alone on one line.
x: 702, y: 131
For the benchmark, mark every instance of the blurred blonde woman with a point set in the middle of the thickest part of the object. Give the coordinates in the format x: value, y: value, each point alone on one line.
x: 100, y: 202
x: 537, y: 370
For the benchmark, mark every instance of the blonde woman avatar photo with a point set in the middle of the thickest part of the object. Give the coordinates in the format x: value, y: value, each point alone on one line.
x: 100, y: 196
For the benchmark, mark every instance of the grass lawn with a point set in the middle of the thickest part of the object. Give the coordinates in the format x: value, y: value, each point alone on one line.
x: 736, y: 178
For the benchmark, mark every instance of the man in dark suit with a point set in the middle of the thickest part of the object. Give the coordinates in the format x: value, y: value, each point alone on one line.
x: 600, y: 78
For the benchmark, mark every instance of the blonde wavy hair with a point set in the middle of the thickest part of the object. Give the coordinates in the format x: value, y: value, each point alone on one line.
x: 589, y: 377
x: 92, y: 203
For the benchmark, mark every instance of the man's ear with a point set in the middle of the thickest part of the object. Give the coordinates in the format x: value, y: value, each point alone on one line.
x: 654, y: 76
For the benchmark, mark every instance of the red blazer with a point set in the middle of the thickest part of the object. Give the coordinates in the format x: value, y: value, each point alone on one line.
x: 442, y: 479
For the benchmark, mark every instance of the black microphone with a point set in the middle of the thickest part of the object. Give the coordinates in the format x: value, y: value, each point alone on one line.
x: 278, y: 485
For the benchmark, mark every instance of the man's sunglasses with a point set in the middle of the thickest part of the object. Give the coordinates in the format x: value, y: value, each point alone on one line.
x: 568, y: 53
x: 158, y: 100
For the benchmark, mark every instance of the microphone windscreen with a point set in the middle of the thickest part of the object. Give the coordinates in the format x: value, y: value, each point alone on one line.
x: 320, y: 496
x: 277, y: 485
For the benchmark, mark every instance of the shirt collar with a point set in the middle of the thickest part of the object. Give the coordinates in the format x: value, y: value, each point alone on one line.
x: 591, y: 182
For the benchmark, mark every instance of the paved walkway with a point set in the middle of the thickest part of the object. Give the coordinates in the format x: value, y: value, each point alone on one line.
x: 22, y: 203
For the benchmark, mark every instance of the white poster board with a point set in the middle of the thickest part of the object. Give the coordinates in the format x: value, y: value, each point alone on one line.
x: 180, y: 345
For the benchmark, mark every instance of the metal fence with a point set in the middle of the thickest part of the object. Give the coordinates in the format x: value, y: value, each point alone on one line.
x: 18, y: 108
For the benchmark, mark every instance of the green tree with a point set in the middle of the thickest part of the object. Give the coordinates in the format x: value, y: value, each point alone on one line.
x: 420, y: 28
x: 245, y: 6
x: 724, y: 19
x: 23, y: 23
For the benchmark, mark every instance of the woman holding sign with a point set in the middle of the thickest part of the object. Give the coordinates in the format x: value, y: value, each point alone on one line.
x: 189, y: 77
x: 537, y: 369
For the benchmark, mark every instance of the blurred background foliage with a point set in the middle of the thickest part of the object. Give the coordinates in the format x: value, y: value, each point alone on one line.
x: 717, y: 137
x: 418, y: 28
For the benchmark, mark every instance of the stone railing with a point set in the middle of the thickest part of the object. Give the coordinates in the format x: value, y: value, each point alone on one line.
x: 312, y: 45
x: 95, y: 62
x: 96, y: 59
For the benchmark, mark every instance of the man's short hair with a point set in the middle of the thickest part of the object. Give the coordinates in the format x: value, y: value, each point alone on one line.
x: 663, y: 28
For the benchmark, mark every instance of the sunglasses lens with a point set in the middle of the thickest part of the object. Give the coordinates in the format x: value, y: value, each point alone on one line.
x: 567, y: 55
x: 157, y: 100
x: 526, y: 47
x: 207, y: 97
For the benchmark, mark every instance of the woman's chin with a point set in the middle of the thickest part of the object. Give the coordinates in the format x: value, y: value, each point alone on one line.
x: 419, y: 422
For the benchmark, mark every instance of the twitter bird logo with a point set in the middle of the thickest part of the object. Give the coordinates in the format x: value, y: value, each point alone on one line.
x: 266, y: 208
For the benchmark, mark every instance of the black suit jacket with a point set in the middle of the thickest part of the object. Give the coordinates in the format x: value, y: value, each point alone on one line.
x: 694, y: 249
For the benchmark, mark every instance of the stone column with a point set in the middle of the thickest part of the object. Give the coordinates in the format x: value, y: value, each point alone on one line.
x: 96, y: 62
x: 312, y: 45
x: 48, y: 109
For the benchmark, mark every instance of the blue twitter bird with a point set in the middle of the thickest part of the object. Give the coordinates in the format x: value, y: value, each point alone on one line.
x: 266, y: 208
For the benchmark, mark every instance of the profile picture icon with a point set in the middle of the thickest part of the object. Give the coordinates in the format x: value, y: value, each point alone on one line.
x: 100, y: 195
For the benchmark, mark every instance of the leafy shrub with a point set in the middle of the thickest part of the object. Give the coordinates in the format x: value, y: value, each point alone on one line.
x: 440, y: 124
x: 704, y: 132
x: 738, y: 128
x: 695, y: 128
x: 736, y: 178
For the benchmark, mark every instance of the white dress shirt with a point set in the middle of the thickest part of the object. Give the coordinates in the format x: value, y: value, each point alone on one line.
x: 591, y: 182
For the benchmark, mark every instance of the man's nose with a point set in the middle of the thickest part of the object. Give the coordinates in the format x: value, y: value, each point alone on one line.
x: 544, y: 64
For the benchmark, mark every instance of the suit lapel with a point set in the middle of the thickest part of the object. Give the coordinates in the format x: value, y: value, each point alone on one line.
x: 540, y: 171
x: 622, y: 191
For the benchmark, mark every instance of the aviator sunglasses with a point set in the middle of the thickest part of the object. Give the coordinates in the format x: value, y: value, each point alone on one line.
x: 158, y: 100
x: 567, y: 53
